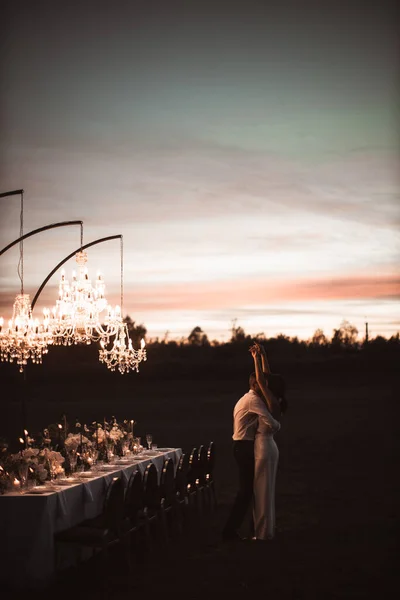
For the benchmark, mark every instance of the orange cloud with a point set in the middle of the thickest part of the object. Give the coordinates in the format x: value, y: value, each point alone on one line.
x: 255, y: 292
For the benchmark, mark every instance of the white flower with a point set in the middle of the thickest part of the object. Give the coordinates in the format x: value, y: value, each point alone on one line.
x: 42, y: 472
x: 116, y: 434
x: 29, y: 453
x: 100, y: 435
x: 73, y: 440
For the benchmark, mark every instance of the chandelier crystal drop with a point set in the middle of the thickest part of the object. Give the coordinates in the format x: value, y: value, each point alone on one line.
x: 24, y: 338
x: 122, y: 355
x: 81, y: 314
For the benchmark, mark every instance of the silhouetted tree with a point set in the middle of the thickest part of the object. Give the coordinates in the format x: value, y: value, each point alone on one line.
x: 345, y: 336
x: 319, y: 338
x: 198, y: 338
x: 136, y: 332
x: 238, y: 333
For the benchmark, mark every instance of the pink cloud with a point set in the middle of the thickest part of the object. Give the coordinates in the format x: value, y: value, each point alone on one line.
x: 251, y: 292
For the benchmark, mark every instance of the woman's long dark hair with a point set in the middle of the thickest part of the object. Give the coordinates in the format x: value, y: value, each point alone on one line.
x: 277, y: 385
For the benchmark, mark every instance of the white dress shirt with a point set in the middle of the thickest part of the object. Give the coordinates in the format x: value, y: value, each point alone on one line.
x: 246, y: 413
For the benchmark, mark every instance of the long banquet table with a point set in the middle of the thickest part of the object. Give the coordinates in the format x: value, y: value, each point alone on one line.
x: 29, y: 521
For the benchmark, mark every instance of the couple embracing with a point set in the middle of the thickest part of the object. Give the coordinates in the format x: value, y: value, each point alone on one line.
x: 256, y: 418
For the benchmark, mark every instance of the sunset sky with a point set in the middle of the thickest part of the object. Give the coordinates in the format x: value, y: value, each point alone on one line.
x: 248, y: 153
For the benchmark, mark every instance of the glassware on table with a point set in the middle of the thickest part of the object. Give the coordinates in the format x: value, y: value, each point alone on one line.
x: 73, y: 459
x: 149, y: 440
x: 136, y: 447
x: 53, y: 471
x: 23, y: 475
x: 95, y: 459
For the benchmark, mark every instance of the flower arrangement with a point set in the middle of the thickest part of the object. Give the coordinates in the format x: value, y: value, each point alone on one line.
x: 74, y: 440
x: 39, y: 458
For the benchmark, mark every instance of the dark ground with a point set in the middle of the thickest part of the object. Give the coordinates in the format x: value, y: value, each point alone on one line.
x: 337, y: 488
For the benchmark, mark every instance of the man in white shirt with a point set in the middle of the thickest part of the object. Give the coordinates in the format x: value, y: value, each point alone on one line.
x: 246, y: 413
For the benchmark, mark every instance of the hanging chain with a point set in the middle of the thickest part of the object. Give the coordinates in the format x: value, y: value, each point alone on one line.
x: 122, y: 275
x: 20, y: 269
x: 81, y: 235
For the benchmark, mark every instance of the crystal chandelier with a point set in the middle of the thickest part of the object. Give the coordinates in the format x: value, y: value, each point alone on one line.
x: 24, y: 338
x: 81, y: 314
x: 122, y: 355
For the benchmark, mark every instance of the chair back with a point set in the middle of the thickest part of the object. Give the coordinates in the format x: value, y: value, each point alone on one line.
x: 167, y: 484
x: 114, y: 506
x: 202, y: 465
x: 151, y: 488
x: 210, y: 462
x: 192, y: 473
x: 181, y: 480
x: 134, y: 496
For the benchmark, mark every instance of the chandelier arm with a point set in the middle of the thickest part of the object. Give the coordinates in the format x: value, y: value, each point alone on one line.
x: 35, y: 231
x: 13, y: 193
x: 99, y: 241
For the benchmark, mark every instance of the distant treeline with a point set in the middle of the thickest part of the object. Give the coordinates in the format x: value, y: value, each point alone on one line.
x: 195, y: 358
x: 344, y: 339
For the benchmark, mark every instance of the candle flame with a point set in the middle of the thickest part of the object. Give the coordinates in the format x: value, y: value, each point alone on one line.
x: 25, y: 432
x: 21, y: 440
x: 59, y: 426
x: 142, y: 343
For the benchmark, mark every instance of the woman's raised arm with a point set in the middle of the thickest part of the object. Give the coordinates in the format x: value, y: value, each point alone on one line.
x: 268, y: 396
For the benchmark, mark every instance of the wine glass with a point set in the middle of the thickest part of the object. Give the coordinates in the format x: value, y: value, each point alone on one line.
x: 23, y: 474
x: 149, y: 439
x: 73, y: 459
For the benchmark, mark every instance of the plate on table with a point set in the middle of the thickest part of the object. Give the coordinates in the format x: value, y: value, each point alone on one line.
x: 71, y: 481
x: 86, y: 475
x: 151, y: 452
x: 108, y: 468
x: 164, y: 449
x: 40, y: 490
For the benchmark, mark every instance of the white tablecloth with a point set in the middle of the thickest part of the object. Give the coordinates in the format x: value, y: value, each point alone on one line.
x: 28, y: 522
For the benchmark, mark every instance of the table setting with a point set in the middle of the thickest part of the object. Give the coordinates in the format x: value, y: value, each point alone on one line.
x: 56, y: 481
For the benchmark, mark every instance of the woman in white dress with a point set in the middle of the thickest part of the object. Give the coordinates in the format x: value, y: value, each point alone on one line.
x: 266, y: 455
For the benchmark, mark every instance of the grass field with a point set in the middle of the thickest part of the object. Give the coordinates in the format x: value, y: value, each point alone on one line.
x: 337, y: 486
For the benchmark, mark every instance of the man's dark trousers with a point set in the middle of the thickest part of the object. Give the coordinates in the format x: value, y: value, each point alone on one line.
x: 243, y: 452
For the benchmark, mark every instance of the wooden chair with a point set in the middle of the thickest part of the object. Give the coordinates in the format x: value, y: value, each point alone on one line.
x: 201, y: 477
x: 134, y: 507
x: 104, y: 531
x: 168, y: 497
x: 192, y: 481
x: 152, y: 502
x: 209, y: 480
x: 181, y: 491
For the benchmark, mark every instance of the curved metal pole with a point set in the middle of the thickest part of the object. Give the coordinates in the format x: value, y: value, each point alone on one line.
x: 99, y: 241
x: 12, y: 193
x: 35, y: 231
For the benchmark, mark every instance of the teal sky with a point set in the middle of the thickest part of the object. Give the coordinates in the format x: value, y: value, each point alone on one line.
x: 247, y: 153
